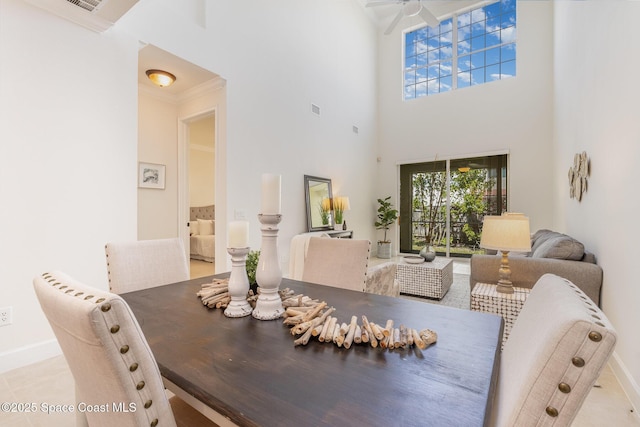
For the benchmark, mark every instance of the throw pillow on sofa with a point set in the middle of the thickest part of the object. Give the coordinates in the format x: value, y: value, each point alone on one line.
x: 560, y: 246
x: 541, y: 236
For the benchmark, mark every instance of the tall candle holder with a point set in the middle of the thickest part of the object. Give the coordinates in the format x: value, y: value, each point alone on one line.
x: 238, y: 284
x: 268, y: 273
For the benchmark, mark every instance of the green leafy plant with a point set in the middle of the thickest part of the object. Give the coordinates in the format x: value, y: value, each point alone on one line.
x: 386, y: 216
x: 252, y: 265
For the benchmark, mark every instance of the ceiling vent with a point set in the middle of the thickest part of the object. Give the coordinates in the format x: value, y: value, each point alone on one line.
x: 97, y: 15
x: 89, y: 5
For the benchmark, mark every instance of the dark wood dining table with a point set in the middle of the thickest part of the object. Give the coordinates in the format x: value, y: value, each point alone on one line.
x: 250, y: 372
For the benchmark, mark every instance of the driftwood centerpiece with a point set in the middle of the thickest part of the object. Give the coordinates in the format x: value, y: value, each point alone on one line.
x: 309, y: 318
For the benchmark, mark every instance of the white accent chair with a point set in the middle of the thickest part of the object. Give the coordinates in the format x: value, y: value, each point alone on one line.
x: 143, y: 264
x: 557, y: 349
x: 341, y: 263
x: 109, y: 357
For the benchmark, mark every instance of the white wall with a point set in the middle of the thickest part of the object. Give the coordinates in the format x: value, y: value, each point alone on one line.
x: 202, y: 162
x: 157, y: 143
x: 68, y: 162
x: 597, y: 110
x: 69, y: 131
x: 210, y: 99
x: 515, y: 114
x: 277, y: 58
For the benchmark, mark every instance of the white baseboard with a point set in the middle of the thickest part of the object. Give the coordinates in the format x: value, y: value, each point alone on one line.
x: 629, y: 385
x: 28, y: 355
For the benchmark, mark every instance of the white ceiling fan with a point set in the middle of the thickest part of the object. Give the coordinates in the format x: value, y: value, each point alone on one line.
x: 407, y: 8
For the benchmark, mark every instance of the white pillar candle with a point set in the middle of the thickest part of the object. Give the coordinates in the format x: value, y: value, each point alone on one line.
x: 270, y: 194
x: 238, y: 234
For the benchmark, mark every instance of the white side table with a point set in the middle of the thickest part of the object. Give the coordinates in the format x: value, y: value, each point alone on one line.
x: 487, y: 299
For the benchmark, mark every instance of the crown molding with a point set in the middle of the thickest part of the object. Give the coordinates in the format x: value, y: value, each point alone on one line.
x: 187, y: 95
x: 197, y: 91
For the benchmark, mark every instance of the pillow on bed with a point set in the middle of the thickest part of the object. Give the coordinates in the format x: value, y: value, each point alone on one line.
x: 205, y: 226
x: 194, y: 230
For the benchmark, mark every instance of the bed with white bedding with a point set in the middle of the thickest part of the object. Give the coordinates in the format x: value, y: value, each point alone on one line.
x: 202, y: 233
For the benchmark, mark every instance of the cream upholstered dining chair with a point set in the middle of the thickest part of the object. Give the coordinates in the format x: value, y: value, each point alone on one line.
x: 143, y: 264
x: 341, y: 263
x: 556, y: 350
x: 109, y: 357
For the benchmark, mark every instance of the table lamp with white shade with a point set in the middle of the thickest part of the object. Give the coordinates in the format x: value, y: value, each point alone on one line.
x: 506, y: 233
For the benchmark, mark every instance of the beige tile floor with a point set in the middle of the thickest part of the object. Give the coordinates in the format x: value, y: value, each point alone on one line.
x: 201, y: 268
x: 50, y: 383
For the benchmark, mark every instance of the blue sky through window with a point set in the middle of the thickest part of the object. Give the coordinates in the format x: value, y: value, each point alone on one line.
x: 480, y: 45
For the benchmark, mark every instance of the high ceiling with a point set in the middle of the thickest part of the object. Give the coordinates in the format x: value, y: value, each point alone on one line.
x: 189, y: 75
x: 440, y: 8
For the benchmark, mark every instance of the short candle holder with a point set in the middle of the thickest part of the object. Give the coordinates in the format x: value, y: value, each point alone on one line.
x: 238, y: 284
x: 268, y: 273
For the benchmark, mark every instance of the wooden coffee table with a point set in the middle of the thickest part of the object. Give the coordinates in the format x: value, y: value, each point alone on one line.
x: 428, y: 279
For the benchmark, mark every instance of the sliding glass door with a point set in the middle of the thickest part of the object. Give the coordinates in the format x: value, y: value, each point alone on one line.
x: 442, y: 203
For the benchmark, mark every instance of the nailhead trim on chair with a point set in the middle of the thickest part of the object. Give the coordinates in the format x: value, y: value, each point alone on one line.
x: 108, y: 269
x: 114, y: 329
x: 571, y: 375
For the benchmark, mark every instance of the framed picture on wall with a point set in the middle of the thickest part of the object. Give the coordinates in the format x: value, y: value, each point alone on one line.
x: 151, y: 175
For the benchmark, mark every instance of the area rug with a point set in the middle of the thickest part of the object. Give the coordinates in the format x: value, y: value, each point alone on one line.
x: 458, y: 295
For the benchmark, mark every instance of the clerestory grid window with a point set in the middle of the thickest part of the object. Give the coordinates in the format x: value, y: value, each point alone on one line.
x: 480, y: 45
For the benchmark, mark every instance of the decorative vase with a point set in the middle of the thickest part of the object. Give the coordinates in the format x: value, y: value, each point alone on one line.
x: 428, y: 253
x: 384, y: 250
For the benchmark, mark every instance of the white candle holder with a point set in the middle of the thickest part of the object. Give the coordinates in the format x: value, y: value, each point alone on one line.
x: 268, y: 273
x: 238, y: 284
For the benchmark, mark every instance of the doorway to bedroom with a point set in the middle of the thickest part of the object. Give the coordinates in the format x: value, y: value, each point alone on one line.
x: 202, y: 175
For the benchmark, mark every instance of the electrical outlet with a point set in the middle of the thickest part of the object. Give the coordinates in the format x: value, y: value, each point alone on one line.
x: 6, y: 316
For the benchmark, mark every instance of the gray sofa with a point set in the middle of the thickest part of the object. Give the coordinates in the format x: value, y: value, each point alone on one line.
x: 551, y: 252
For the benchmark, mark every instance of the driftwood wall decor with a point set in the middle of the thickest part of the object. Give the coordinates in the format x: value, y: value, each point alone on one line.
x: 578, y: 174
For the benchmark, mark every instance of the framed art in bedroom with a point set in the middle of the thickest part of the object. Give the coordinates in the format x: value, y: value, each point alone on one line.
x: 151, y: 175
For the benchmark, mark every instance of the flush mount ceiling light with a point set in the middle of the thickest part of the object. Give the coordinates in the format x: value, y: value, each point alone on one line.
x: 161, y: 78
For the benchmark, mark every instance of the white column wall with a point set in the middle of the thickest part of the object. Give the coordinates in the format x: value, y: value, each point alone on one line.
x: 68, y: 145
x: 157, y: 143
x: 596, y: 99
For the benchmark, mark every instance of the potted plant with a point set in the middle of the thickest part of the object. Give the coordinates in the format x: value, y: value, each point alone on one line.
x: 340, y: 204
x: 387, y: 215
